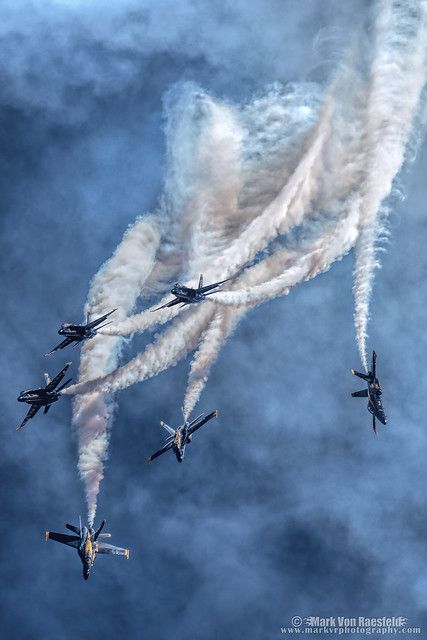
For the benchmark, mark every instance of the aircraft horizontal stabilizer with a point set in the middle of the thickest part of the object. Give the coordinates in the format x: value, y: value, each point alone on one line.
x: 360, y: 375
x: 360, y: 394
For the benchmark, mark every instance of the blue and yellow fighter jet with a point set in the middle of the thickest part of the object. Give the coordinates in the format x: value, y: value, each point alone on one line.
x: 79, y: 332
x: 187, y: 295
x: 180, y: 437
x: 373, y: 393
x: 43, y: 397
x: 85, y: 540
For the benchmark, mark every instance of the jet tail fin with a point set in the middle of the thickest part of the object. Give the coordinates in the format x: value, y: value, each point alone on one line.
x: 46, y: 409
x: 47, y: 378
x: 99, y: 530
x: 374, y: 364
x: 200, y: 285
x: 104, y: 325
x: 64, y: 385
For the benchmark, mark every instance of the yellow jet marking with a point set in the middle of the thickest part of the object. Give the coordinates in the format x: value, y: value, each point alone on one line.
x: 88, y: 546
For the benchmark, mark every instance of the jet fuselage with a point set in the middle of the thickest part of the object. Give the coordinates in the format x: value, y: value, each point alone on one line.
x: 39, y: 397
x: 181, y: 439
x: 75, y: 332
x: 87, y: 551
x: 373, y: 392
x: 375, y: 405
x: 186, y: 294
x: 79, y: 332
x: 178, y: 438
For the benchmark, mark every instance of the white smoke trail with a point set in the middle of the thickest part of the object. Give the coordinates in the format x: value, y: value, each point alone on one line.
x: 183, y: 335
x: 220, y: 327
x: 239, y: 181
x: 278, y: 126
x: 219, y: 185
x: 275, y: 219
x: 116, y: 285
x: 331, y: 179
x: 187, y: 193
x: 204, y: 178
x: 398, y: 75
x: 223, y: 324
x: 202, y: 190
x: 316, y: 258
x: 176, y: 341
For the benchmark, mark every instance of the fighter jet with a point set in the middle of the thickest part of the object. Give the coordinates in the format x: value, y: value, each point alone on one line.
x: 78, y: 332
x: 186, y: 295
x: 86, y: 542
x: 373, y: 393
x: 43, y: 397
x: 179, y: 438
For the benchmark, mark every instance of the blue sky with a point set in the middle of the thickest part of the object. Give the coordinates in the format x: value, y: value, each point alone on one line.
x: 287, y: 504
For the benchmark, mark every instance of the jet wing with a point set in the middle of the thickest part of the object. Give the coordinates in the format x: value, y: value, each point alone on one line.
x: 360, y: 394
x: 161, y: 451
x: 209, y: 287
x: 61, y: 345
x: 196, y: 425
x: 110, y: 549
x: 98, y: 321
x: 57, y: 379
x: 172, y: 303
x: 63, y: 538
x: 31, y: 413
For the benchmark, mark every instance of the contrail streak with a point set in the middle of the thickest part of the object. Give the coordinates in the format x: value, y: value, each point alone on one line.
x: 117, y: 285
x: 254, y: 238
x: 180, y: 338
x: 316, y: 259
x: 268, y: 194
x: 397, y: 79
